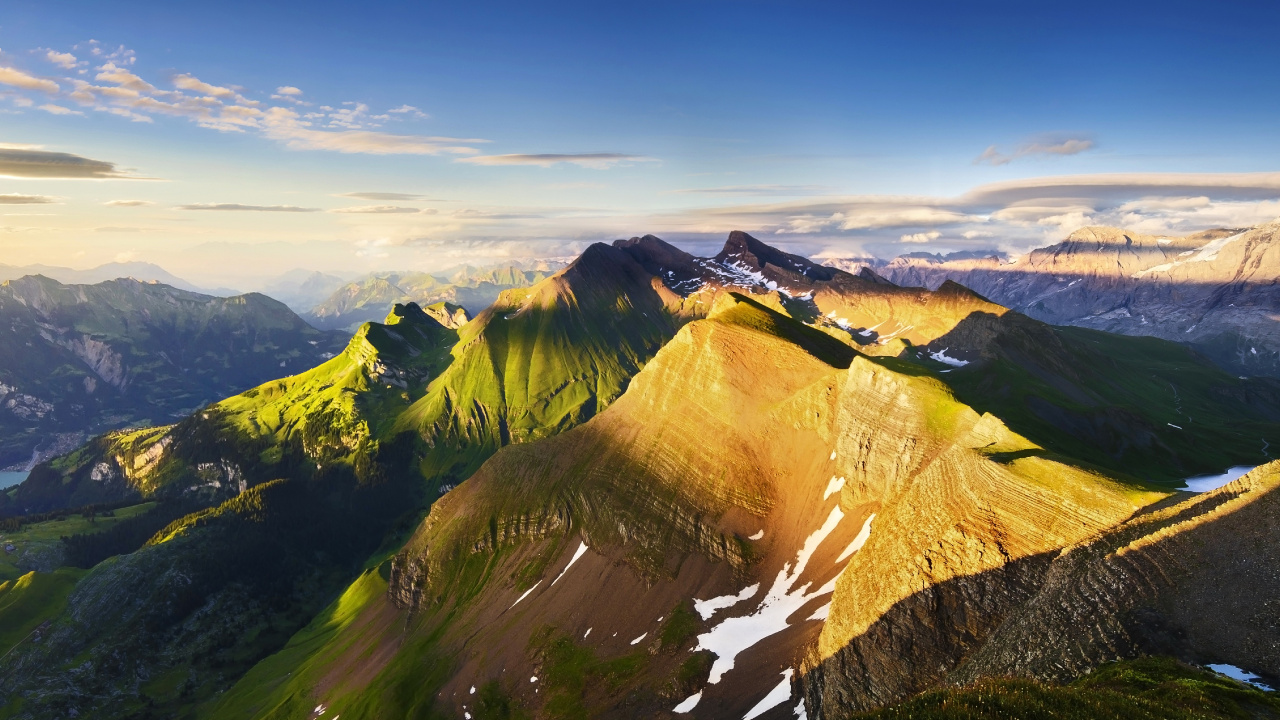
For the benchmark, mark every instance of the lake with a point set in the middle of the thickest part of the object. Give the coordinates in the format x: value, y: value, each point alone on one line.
x: 1205, y: 483
x: 9, y: 479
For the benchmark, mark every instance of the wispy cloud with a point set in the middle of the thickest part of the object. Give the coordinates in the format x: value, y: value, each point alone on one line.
x: 921, y: 237
x: 59, y: 110
x: 127, y: 203
x: 115, y: 88
x: 382, y: 210
x: 236, y: 207
x: 1047, y: 146
x: 17, y: 199
x: 756, y: 190
x: 16, y: 78
x: 31, y: 163
x: 596, y: 161
x: 393, y: 196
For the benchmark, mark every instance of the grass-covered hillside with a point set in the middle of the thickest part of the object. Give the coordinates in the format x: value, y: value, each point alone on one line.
x: 78, y: 360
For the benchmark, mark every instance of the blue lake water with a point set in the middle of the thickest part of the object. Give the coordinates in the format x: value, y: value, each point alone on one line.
x: 9, y: 479
x: 1236, y: 673
x: 1205, y: 483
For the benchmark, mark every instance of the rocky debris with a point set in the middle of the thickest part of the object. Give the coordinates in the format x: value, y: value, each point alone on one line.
x: 27, y: 407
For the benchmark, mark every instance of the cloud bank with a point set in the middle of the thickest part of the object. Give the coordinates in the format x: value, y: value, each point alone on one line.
x: 33, y: 163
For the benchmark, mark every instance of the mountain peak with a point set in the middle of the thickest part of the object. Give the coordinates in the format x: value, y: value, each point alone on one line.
x: 750, y: 253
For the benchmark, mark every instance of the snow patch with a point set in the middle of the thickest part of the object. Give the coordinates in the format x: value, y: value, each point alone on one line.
x: 734, y: 635
x: 759, y: 534
x: 637, y: 640
x: 858, y: 541
x: 526, y: 594
x: 585, y: 634
x: 799, y: 711
x: 942, y: 357
x: 707, y: 608
x: 778, y: 695
x: 473, y: 690
x: 833, y: 487
x: 689, y: 703
x: 582, y: 549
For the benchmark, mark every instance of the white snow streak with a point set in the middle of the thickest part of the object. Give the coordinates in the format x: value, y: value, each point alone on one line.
x: 689, y: 703
x: 858, y: 541
x: 526, y: 594
x: 582, y: 549
x: 736, y: 634
x: 707, y: 608
x: 833, y: 487
x: 778, y: 695
x: 757, y: 536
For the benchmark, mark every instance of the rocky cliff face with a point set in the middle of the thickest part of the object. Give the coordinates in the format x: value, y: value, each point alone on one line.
x: 1216, y: 289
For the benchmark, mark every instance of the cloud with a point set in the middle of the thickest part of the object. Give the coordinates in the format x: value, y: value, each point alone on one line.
x: 973, y: 234
x: 1036, y: 148
x: 409, y: 111
x: 193, y: 84
x: 921, y: 237
x: 236, y: 207
x: 763, y: 190
x: 17, y: 78
x: 27, y: 163
x: 288, y: 90
x: 111, y: 73
x: 381, y: 210
x: 110, y: 229
x: 16, y: 199
x: 62, y: 59
x: 382, y: 196
x: 127, y: 203
x: 596, y: 161
x: 59, y: 110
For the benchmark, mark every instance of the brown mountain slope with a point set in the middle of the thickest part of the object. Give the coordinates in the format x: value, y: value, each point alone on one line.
x: 744, y: 463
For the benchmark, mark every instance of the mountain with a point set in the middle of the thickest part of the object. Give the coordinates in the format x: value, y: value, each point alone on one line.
x: 82, y: 359
x: 739, y: 486
x: 301, y: 289
x: 143, y: 271
x: 1215, y: 290
x: 368, y: 299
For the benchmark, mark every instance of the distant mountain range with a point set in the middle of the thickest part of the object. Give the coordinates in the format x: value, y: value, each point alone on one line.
x: 1218, y: 291
x: 653, y: 484
x: 144, y: 271
x: 84, y: 359
x: 371, y: 297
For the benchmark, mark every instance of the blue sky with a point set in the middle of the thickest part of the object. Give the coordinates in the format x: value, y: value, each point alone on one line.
x: 525, y: 130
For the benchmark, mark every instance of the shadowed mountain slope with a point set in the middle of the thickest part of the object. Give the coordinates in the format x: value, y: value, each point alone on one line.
x: 81, y: 359
x: 1216, y: 290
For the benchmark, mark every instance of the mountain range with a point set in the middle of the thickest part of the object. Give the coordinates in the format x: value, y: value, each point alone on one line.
x: 369, y: 298
x: 1218, y: 291
x: 652, y: 484
x: 84, y: 359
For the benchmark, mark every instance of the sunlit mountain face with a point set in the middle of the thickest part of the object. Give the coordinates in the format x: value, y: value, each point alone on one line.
x: 712, y: 361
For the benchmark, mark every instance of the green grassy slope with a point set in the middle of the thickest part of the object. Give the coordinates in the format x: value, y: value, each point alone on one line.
x: 542, y: 360
x: 1148, y: 408
x: 1148, y: 689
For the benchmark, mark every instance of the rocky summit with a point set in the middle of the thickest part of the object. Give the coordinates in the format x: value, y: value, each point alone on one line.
x: 653, y: 484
